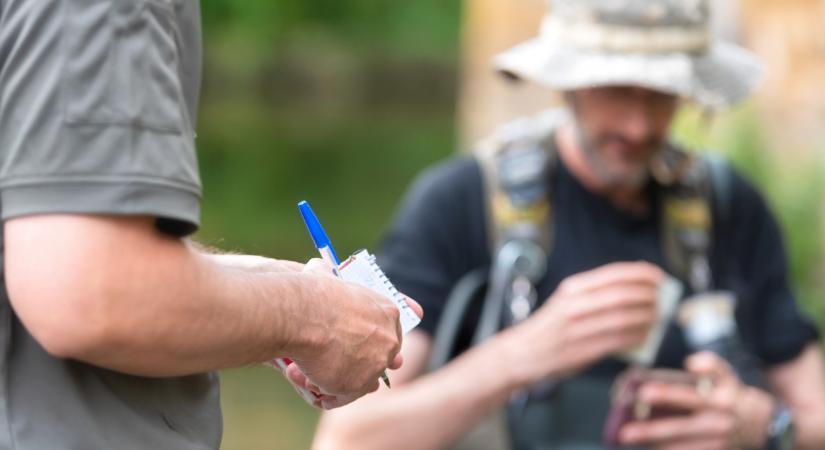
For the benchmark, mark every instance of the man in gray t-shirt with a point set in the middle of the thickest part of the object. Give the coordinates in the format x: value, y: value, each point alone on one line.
x: 110, y: 323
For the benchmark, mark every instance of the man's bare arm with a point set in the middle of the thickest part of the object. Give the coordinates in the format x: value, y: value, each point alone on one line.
x: 800, y: 385
x: 565, y: 335
x: 116, y: 293
x: 424, y: 411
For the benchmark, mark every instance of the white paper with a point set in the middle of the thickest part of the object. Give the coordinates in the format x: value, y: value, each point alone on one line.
x: 362, y: 269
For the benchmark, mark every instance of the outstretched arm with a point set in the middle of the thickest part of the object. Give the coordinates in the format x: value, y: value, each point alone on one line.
x: 114, y: 292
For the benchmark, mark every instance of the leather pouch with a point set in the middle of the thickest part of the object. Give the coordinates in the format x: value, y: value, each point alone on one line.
x: 626, y: 406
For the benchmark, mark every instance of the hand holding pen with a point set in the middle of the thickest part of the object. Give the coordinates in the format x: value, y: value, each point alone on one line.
x: 363, y: 336
x: 324, y: 246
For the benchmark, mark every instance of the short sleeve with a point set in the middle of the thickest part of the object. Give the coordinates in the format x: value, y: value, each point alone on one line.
x: 778, y: 329
x: 431, y: 243
x: 94, y: 114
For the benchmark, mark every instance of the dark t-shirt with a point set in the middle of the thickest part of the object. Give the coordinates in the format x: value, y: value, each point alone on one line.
x: 440, y: 234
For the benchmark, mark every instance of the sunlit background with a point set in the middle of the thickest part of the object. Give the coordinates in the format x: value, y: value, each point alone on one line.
x: 342, y: 102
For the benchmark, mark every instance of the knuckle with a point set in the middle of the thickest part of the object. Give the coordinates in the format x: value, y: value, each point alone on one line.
x: 393, y: 312
x: 395, y: 348
x: 315, y: 263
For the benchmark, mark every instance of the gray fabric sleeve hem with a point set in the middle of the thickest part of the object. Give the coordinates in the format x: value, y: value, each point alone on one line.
x: 122, y: 198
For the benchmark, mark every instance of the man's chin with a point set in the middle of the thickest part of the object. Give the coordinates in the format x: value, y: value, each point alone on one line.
x: 624, y: 180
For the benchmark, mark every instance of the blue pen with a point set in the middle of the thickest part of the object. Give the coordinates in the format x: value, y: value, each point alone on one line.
x: 319, y: 237
x: 324, y: 246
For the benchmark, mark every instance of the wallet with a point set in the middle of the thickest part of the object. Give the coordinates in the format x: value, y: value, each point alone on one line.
x: 626, y: 406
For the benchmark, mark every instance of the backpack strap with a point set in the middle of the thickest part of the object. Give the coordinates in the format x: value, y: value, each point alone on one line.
x: 517, y: 163
x: 691, y: 186
x: 721, y: 180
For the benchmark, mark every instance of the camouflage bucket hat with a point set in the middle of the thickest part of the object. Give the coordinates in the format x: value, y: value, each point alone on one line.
x: 666, y: 45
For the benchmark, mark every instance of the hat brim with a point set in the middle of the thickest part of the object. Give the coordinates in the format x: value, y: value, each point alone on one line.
x: 722, y: 76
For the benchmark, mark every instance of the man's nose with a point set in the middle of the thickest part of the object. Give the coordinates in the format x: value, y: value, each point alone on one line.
x: 637, y: 123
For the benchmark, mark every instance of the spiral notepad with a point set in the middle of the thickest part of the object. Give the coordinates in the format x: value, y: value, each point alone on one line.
x: 361, y: 268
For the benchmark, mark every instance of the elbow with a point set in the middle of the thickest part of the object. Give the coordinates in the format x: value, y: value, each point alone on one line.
x: 72, y: 339
x: 79, y: 293
x: 67, y: 320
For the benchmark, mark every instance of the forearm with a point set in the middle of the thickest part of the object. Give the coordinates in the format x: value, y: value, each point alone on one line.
x: 800, y: 385
x: 808, y: 431
x: 810, y: 434
x: 135, y: 301
x: 428, y: 412
x: 187, y: 313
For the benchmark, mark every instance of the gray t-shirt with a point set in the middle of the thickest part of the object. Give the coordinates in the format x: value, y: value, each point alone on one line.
x: 97, y: 111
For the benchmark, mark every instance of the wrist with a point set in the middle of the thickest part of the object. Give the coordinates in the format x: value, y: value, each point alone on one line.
x: 781, y: 433
x: 304, y: 322
x: 755, y: 411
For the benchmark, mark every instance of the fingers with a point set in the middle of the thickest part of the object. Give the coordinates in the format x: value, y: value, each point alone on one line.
x: 396, y: 362
x: 632, y: 321
x: 320, y: 267
x: 327, y: 401
x: 295, y: 375
x: 712, y: 422
x: 706, y: 426
x: 723, y: 385
x: 707, y: 364
x: 621, y: 272
x: 696, y: 444
x: 417, y: 309
x: 302, y: 385
x: 673, y: 396
x: 615, y: 298
x: 332, y: 402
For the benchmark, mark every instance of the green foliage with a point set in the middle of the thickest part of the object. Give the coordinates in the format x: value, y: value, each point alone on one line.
x: 424, y: 26
x: 337, y: 102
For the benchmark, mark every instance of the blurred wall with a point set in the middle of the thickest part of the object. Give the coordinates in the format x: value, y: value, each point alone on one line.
x: 788, y: 36
x: 490, y: 27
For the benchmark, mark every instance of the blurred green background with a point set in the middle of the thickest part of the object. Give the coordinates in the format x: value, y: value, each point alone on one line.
x: 336, y: 102
x: 341, y: 103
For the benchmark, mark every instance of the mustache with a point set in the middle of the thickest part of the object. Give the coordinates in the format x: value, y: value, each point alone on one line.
x: 651, y: 142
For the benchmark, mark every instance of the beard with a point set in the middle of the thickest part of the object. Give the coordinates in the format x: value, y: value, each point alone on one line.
x: 625, y: 171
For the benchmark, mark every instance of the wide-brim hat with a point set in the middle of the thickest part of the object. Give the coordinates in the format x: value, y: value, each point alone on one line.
x: 665, y: 45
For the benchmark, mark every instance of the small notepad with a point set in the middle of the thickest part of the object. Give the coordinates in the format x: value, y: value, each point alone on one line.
x: 362, y: 269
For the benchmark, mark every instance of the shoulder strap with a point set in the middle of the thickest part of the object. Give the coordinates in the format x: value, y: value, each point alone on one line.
x: 691, y: 186
x: 721, y: 181
x: 516, y: 163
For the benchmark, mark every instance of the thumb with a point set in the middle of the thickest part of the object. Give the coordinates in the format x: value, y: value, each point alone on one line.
x: 708, y: 364
x: 711, y: 370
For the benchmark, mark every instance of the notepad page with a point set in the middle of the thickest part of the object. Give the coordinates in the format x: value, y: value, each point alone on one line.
x: 362, y: 269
